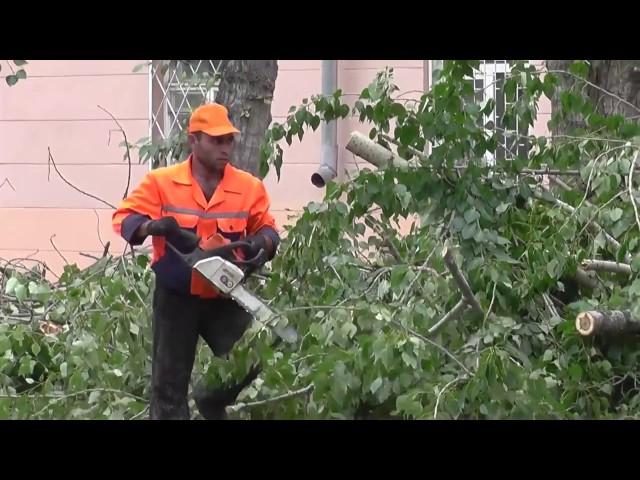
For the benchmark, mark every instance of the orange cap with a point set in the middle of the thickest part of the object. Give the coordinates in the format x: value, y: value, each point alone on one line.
x: 212, y: 119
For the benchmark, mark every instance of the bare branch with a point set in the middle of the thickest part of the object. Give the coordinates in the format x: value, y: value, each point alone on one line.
x: 392, y: 249
x: 606, y: 266
x: 435, y: 410
x: 7, y: 181
x: 465, y: 289
x: 126, y: 143
x: 568, y: 208
x: 435, y: 344
x: 452, y: 314
x: 630, y: 187
x: 88, y: 255
x: 420, y: 269
x: 98, y: 226
x: 241, y: 406
x: 549, y: 304
x: 72, y: 185
x: 56, y: 248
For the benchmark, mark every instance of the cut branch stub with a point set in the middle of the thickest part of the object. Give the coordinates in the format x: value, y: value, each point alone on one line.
x: 607, y: 322
x: 373, y: 152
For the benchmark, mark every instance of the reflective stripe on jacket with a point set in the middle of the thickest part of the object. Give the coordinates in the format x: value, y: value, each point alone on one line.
x: 238, y: 207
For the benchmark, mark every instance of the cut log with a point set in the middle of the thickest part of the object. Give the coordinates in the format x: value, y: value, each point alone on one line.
x: 373, y: 152
x: 607, y: 322
x: 584, y: 279
x: 607, y: 266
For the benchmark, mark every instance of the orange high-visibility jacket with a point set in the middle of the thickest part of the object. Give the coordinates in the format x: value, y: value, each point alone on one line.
x: 238, y: 207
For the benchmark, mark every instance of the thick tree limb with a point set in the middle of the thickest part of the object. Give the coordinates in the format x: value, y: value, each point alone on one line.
x: 606, y: 266
x: 452, y: 314
x: 465, y: 289
x: 373, y: 152
x: 607, y: 322
x: 585, y: 280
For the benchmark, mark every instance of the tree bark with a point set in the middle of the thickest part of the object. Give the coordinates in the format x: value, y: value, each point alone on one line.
x: 607, y: 322
x: 246, y: 89
x: 619, y: 77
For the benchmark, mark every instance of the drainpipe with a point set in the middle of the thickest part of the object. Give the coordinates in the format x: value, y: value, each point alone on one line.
x: 328, y: 168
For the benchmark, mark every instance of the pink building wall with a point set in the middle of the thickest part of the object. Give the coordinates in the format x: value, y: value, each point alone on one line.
x: 57, y: 107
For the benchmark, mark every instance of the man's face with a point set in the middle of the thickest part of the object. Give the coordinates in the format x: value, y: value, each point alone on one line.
x: 212, y: 152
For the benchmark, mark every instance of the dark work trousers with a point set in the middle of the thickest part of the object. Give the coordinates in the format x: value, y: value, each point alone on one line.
x: 178, y: 322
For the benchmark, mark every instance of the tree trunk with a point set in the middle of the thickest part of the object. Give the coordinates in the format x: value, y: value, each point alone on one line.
x: 619, y: 77
x: 246, y: 89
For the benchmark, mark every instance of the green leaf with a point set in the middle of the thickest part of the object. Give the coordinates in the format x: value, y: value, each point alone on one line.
x: 469, y: 231
x: 35, y: 348
x: 11, y: 285
x: 26, y: 366
x: 315, y: 122
x: 377, y: 383
x: 21, y: 74
x: 502, y: 208
x: 471, y: 215
x: 139, y: 67
x: 398, y: 274
x: 21, y: 292
x: 94, y: 396
x: 615, y: 214
x: 575, y: 371
x: 11, y: 80
x: 20, y: 63
x: 409, y: 360
x: 133, y: 328
x: 510, y: 87
x: 552, y: 268
x: 579, y: 68
x: 397, y: 110
x: 63, y: 369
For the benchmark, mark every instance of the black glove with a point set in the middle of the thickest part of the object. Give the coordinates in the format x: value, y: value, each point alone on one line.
x: 164, y: 227
x: 168, y: 227
x: 257, y: 243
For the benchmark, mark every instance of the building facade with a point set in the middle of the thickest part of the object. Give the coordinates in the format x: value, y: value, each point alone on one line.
x: 59, y: 114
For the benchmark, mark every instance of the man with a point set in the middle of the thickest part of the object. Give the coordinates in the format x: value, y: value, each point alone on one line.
x: 204, y: 195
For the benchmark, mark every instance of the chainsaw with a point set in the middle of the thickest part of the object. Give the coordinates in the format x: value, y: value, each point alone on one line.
x: 226, y: 271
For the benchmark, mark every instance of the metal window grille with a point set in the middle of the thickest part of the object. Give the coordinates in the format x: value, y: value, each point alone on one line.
x: 178, y: 87
x: 488, y: 84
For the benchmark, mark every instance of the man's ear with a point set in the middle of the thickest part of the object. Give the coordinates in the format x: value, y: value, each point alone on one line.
x: 192, y: 139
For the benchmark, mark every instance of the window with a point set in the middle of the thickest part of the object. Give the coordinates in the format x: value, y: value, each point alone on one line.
x: 178, y: 87
x: 488, y: 84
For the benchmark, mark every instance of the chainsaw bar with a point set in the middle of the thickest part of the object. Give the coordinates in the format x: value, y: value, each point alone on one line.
x: 227, y: 278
